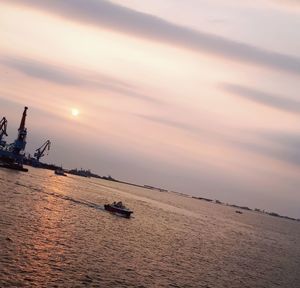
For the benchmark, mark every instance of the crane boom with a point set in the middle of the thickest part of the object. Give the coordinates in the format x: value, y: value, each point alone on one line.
x: 22, y: 124
x: 20, y: 142
x: 3, y: 128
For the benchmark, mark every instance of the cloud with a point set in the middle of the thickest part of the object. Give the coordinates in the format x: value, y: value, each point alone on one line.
x: 202, y: 131
x: 277, y: 145
x: 274, y: 145
x: 268, y: 99
x: 214, y: 131
x: 170, y: 123
x: 287, y: 146
x: 112, y: 16
x: 67, y: 77
x: 42, y: 71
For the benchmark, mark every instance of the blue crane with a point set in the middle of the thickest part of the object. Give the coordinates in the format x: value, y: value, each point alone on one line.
x: 20, y: 142
x: 12, y: 155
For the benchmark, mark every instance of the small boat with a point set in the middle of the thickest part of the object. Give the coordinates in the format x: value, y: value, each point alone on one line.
x: 238, y: 212
x: 60, y: 172
x: 118, y: 208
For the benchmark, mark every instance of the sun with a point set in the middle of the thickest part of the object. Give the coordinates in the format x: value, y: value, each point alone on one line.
x: 75, y: 112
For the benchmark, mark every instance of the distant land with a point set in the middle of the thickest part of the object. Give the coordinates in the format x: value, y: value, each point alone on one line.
x: 87, y: 173
x: 246, y: 208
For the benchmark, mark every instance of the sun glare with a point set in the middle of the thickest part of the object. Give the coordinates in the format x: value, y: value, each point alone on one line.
x: 74, y: 112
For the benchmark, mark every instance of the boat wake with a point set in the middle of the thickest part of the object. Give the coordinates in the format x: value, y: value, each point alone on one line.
x: 85, y: 203
x: 65, y: 197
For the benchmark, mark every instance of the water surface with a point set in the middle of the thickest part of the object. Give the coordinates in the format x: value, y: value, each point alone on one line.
x: 55, y: 233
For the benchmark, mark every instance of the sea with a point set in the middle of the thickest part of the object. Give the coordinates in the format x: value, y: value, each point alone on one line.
x: 54, y: 232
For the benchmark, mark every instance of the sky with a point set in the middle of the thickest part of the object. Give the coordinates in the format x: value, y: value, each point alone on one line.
x: 195, y: 96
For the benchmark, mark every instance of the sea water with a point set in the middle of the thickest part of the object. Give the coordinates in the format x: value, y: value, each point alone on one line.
x: 54, y: 232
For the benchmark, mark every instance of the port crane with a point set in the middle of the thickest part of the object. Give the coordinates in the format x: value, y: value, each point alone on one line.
x: 20, y: 142
x: 3, y: 128
x: 40, y: 152
x: 12, y: 155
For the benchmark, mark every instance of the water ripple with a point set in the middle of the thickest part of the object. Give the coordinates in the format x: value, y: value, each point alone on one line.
x: 53, y: 234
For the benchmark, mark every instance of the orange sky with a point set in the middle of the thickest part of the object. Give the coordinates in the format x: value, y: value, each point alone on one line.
x: 194, y: 96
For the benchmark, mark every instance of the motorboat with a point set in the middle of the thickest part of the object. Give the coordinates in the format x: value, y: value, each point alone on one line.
x: 118, y: 208
x: 60, y: 172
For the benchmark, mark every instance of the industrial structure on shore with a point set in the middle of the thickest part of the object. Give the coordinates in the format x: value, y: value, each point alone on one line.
x: 38, y: 154
x: 12, y: 156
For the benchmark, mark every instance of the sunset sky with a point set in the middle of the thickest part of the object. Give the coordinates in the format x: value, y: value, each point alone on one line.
x: 196, y: 96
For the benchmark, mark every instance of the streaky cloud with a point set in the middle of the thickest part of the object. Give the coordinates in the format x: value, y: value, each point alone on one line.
x: 63, y: 76
x: 273, y: 145
x: 41, y: 70
x: 277, y: 145
x: 276, y: 101
x: 169, y: 123
x: 112, y: 16
x: 203, y: 131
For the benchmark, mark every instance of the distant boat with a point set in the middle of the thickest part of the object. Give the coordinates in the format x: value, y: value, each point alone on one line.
x: 238, y: 212
x: 118, y: 208
x: 60, y: 172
